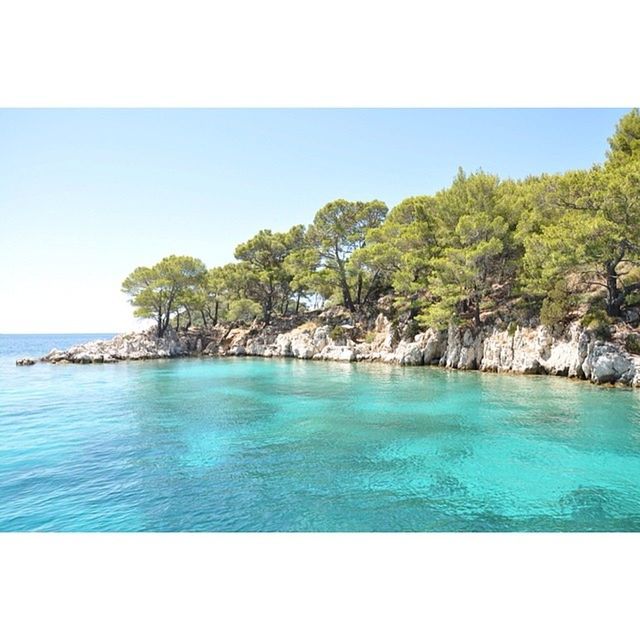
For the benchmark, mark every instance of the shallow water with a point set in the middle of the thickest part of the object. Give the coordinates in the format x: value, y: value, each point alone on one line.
x: 286, y: 445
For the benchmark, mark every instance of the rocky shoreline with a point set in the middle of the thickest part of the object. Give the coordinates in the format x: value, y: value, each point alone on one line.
x: 574, y: 353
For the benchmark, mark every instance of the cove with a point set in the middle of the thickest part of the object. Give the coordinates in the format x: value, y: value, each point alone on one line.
x: 251, y: 444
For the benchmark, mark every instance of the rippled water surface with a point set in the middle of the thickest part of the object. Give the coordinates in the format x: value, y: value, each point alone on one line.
x: 287, y: 445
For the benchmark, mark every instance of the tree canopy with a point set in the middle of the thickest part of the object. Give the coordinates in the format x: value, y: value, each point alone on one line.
x: 485, y: 247
x: 158, y: 292
x: 338, y: 230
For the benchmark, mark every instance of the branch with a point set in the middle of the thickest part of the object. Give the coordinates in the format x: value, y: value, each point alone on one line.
x: 576, y: 207
x: 598, y: 284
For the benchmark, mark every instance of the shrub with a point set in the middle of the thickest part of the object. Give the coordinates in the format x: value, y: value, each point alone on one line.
x: 632, y: 343
x: 337, y: 333
x: 411, y: 330
x: 512, y: 328
x: 438, y: 317
x: 632, y: 299
x: 557, y: 306
x: 370, y: 337
x: 598, y: 322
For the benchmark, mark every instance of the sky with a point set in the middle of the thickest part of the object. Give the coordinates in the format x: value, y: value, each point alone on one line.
x: 87, y: 195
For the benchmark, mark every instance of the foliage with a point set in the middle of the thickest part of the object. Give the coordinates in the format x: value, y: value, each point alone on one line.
x: 558, y: 304
x: 632, y: 343
x: 591, y: 229
x: 411, y: 330
x: 243, y: 310
x: 475, y: 236
x: 624, y: 145
x: 483, y: 247
x: 398, y: 252
x: 632, y: 299
x: 266, y: 279
x: 338, y: 230
x: 598, y: 322
x: 157, y: 292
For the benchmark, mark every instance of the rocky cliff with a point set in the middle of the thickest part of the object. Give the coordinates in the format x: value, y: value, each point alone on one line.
x: 575, y: 352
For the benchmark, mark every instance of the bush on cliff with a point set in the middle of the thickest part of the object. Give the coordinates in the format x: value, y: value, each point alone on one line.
x: 557, y: 306
x: 598, y: 322
x: 632, y: 343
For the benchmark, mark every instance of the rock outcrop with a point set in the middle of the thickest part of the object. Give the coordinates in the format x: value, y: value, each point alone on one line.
x: 25, y: 362
x: 129, y: 346
x: 575, y: 353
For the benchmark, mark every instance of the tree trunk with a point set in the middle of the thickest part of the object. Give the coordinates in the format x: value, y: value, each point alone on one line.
x: 167, y: 315
x: 267, y: 304
x: 266, y: 312
x: 476, y: 313
x: 298, y: 303
x: 614, y: 295
x: 346, y: 298
x: 371, y: 289
x: 344, y: 285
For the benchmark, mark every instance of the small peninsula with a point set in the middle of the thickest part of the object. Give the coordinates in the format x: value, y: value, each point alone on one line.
x: 532, y: 276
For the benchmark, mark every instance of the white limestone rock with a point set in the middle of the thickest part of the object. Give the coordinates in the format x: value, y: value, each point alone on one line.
x: 607, y: 363
x: 464, y: 349
x: 432, y: 342
x: 335, y: 352
x: 302, y: 346
x: 320, y: 337
x: 409, y: 354
x: 525, y: 350
x: 385, y: 337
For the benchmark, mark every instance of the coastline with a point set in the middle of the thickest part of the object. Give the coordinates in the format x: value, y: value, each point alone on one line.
x: 574, y: 353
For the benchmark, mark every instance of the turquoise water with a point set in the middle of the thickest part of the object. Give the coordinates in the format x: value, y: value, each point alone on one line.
x: 286, y: 445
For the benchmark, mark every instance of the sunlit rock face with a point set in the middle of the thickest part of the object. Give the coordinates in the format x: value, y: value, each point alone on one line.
x: 576, y: 353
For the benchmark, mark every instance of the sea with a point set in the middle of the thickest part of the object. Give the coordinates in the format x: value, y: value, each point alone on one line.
x: 251, y: 444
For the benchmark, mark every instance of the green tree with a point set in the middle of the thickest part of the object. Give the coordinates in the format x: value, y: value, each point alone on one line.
x: 267, y: 281
x: 301, y: 267
x: 474, y: 225
x: 215, y: 295
x: 398, y: 253
x: 207, y: 302
x: 624, y: 145
x: 157, y: 292
x: 465, y: 271
x: 243, y: 310
x: 339, y: 229
x: 596, y: 237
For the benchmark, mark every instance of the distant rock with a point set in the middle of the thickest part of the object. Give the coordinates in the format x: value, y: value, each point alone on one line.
x: 130, y: 346
x: 25, y: 362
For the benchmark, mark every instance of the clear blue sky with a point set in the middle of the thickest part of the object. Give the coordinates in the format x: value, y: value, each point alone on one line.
x: 88, y: 195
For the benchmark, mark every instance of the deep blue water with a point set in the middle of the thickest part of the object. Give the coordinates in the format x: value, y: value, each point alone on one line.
x: 262, y: 445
